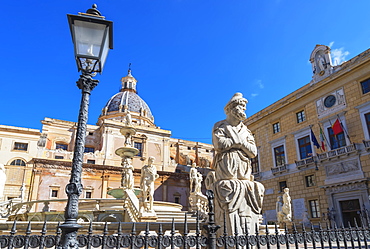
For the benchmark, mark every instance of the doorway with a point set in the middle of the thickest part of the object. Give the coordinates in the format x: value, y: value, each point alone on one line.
x: 350, y: 212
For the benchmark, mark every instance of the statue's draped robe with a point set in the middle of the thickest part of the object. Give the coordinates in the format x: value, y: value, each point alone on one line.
x: 234, y: 188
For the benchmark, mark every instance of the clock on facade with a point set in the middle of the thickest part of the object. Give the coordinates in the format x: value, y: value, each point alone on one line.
x: 329, y: 101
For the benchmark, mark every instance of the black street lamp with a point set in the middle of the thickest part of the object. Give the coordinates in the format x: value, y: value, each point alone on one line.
x: 92, y: 39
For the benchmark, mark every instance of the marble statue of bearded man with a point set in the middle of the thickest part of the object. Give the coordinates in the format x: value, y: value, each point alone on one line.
x: 237, y: 195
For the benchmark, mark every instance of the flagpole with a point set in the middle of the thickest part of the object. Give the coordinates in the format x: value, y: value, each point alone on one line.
x: 326, y: 140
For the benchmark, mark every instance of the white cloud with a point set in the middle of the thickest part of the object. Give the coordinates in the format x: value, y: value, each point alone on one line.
x: 260, y: 84
x: 338, y: 55
x: 254, y: 95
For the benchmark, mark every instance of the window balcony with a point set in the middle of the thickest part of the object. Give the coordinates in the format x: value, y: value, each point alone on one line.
x: 279, y: 169
x: 304, y: 162
x: 346, y: 150
x: 367, y: 144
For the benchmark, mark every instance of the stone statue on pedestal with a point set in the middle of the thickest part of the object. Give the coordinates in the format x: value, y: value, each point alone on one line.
x: 279, y: 210
x: 236, y: 192
x: 148, y: 177
x: 193, y: 176
x: 127, y: 181
x: 287, y: 206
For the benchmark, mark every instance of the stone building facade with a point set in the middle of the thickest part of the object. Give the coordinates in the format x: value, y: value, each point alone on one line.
x: 330, y: 184
x: 38, y: 163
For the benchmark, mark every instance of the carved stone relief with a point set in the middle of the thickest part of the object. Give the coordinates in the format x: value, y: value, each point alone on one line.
x: 342, y: 167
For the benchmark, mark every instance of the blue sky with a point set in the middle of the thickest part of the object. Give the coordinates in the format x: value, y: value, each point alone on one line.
x: 188, y: 56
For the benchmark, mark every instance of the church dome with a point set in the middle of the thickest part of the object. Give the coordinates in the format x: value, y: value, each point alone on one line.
x: 128, y: 101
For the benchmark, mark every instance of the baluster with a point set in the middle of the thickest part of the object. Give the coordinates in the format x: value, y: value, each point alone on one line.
x: 336, y: 235
x: 344, y: 236
x: 295, y: 232
x: 328, y: 230
x: 160, y: 236
x: 119, y: 235
x: 58, y: 234
x: 172, y: 233
x: 12, y: 234
x: 246, y: 232
x: 286, y: 236
x: 236, y: 233
x: 363, y: 229
x: 211, y: 227
x: 358, y: 234
x: 351, y: 234
x: 267, y: 236
x: 89, y: 235
x: 105, y: 232
x: 277, y: 237
x: 27, y: 238
x: 133, y: 236
x: 197, y: 232
x: 304, y: 234
x: 321, y: 233
x: 186, y: 231
x: 257, y: 237
x: 42, y: 239
x: 225, y: 232
x: 313, y: 233
x: 146, y: 233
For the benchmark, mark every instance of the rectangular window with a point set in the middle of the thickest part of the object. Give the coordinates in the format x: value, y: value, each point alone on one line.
x: 61, y: 146
x: 139, y: 146
x: 300, y: 117
x: 177, y: 199
x: 367, y: 119
x: 314, y: 208
x: 54, y: 193
x: 282, y: 186
x: 336, y: 141
x: 59, y: 157
x: 310, y: 180
x: 276, y: 127
x: 88, y: 194
x: 90, y: 161
x: 279, y: 155
x: 20, y: 146
x: 365, y: 85
x: 255, y: 165
x: 89, y: 149
x: 305, y: 149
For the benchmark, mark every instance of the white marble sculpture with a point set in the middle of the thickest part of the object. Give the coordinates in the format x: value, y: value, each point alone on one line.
x: 236, y: 192
x: 148, y: 177
x: 193, y: 176
x: 287, y: 205
x: 127, y: 180
x: 279, y: 209
x: 2, y: 181
x: 198, y: 183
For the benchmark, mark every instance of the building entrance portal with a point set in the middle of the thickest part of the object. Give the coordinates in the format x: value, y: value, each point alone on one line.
x: 350, y: 212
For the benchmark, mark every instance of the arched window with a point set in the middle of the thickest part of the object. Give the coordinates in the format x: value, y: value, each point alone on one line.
x: 18, y: 162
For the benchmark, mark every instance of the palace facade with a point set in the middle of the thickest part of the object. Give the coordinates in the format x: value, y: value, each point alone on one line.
x: 316, y: 142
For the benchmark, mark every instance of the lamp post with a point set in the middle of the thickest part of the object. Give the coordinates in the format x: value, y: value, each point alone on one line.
x: 92, y: 39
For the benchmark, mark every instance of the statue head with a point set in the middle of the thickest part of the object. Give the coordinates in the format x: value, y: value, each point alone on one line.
x: 286, y: 190
x: 151, y: 159
x: 193, y: 165
x: 236, y: 107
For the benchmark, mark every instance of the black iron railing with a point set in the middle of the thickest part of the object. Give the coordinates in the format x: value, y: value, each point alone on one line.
x: 152, y: 235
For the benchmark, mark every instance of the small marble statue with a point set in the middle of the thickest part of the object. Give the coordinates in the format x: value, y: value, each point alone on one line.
x: 148, y: 177
x: 279, y: 209
x: 236, y: 193
x: 127, y: 174
x: 193, y: 176
x: 198, y: 183
x: 305, y: 219
x: 287, y: 206
x: 127, y: 120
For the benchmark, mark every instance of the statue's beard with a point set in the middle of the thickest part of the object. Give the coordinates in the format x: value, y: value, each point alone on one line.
x: 240, y: 115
